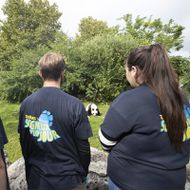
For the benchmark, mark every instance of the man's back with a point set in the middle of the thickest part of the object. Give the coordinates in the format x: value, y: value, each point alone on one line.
x: 50, y: 123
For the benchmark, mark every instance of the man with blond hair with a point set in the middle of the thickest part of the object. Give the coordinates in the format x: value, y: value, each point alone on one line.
x: 54, y: 131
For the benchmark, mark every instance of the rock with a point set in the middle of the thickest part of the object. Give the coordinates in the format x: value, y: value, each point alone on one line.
x: 187, y: 186
x: 97, y: 178
x: 188, y: 172
x: 98, y: 162
x: 16, y: 173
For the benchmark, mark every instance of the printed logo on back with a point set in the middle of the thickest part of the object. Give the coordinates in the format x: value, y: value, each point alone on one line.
x: 40, y: 127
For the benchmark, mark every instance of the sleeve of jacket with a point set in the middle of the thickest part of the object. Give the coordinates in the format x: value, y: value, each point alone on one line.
x: 83, y: 147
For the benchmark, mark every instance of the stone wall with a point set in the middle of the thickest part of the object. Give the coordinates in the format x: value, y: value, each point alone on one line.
x: 97, y: 177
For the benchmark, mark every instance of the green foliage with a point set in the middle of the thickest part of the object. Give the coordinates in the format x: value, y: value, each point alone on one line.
x: 185, y: 78
x: 155, y: 31
x: 94, y: 58
x: 97, y: 66
x: 27, y: 26
x: 28, y: 32
x: 62, y: 44
x: 182, y: 67
x: 23, y: 79
x: 181, y: 64
x: 90, y: 27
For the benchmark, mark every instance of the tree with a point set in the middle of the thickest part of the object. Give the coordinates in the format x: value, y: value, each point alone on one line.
x: 27, y: 26
x: 62, y: 44
x: 186, y: 79
x: 29, y: 30
x: 155, y: 31
x: 180, y: 64
x: 182, y: 67
x: 90, y: 27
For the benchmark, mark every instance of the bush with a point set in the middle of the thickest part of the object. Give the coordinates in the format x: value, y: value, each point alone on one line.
x: 23, y: 78
x: 97, y: 67
x: 182, y: 67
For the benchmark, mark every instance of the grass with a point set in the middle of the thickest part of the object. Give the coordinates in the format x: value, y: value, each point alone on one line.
x: 9, y: 116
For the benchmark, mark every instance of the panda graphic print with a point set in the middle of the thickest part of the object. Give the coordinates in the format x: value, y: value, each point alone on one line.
x: 41, y: 128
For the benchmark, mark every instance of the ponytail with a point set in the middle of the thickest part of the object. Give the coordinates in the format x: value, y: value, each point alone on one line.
x: 160, y: 76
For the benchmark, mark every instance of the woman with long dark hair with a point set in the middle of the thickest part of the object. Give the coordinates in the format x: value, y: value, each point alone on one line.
x: 147, y: 129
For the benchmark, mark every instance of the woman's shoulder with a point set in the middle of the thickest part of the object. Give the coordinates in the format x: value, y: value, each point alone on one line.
x: 136, y: 92
x: 135, y: 96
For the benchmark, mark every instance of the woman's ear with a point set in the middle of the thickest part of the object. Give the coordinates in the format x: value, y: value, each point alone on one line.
x: 134, y: 70
x: 137, y: 74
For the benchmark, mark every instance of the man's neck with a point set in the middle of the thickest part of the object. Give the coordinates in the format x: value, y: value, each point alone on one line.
x: 51, y: 83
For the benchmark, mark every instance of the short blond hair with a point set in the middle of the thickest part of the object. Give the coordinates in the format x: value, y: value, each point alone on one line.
x: 51, y: 66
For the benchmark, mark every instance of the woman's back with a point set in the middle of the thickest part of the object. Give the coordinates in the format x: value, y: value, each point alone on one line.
x: 143, y: 157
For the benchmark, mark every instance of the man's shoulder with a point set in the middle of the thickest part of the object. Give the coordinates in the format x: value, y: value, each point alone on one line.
x: 73, y: 100
x: 58, y: 94
x: 70, y: 97
x: 29, y: 98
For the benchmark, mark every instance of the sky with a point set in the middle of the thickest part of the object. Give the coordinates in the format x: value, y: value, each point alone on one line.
x: 110, y: 10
